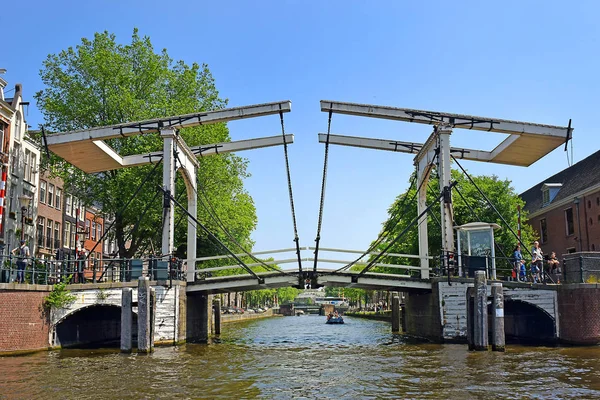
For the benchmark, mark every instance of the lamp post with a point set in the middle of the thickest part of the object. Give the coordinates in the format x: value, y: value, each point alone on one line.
x: 576, y: 201
x: 24, y: 202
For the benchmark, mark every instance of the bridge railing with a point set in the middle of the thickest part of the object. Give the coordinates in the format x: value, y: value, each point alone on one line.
x: 499, y: 267
x: 48, y: 271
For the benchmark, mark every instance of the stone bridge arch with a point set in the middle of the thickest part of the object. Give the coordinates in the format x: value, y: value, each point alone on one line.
x: 525, y: 320
x: 95, y: 324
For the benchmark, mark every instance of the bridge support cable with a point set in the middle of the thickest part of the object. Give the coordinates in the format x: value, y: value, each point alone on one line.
x: 289, y: 180
x: 156, y: 237
x: 209, y: 233
x: 402, y: 210
x: 323, y: 185
x: 122, y: 209
x: 386, y: 231
x: 372, y: 263
x: 491, y: 205
x: 213, y: 214
x: 474, y: 213
x: 131, y: 232
x: 434, y: 217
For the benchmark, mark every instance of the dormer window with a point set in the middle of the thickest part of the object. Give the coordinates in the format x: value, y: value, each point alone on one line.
x: 549, y: 192
x: 545, y: 196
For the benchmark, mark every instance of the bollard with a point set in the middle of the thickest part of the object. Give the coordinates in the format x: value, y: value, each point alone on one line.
x: 498, y: 343
x: 480, y: 329
x: 152, y: 317
x: 144, y: 327
x: 217, y: 305
x: 470, y: 315
x: 126, y: 319
x: 395, y: 312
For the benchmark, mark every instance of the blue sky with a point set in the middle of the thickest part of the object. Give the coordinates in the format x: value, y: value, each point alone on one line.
x: 534, y: 61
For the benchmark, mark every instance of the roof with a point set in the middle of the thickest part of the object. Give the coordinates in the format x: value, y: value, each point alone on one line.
x: 575, y: 179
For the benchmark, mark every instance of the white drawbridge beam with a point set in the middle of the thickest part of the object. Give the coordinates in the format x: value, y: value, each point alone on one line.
x: 527, y: 143
x: 86, y: 149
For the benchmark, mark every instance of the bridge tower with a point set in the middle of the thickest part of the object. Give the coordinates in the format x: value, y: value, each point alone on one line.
x: 87, y: 150
x: 526, y: 143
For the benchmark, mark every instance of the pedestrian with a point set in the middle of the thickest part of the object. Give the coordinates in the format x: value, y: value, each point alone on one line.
x: 553, y: 264
x: 537, y: 260
x: 517, y: 260
x: 23, y: 254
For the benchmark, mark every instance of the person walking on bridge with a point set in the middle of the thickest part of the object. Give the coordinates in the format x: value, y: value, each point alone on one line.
x: 23, y: 253
x: 537, y: 260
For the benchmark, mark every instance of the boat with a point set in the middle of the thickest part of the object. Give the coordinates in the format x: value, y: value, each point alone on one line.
x: 335, y: 320
x: 299, y: 313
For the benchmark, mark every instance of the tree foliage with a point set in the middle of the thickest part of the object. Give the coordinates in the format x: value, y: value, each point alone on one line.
x: 102, y: 82
x: 470, y: 207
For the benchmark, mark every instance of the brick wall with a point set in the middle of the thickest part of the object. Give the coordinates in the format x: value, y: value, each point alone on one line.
x: 558, y: 240
x: 579, y: 311
x: 22, y: 324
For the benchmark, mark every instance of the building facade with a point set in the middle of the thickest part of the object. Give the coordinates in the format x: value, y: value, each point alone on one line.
x: 50, y: 216
x: 19, y: 178
x: 564, y: 209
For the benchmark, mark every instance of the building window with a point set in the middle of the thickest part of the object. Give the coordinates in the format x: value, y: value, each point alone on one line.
x: 69, y: 200
x: 15, y: 157
x: 591, y: 222
x: 545, y: 196
x: 32, y: 171
x: 57, y: 203
x: 589, y: 204
x: 67, y: 236
x: 570, y: 228
x: 73, y: 240
x: 50, y: 194
x: 13, y: 198
x: 43, y: 192
x: 40, y: 231
x: 87, y: 228
x: 27, y: 166
x: 93, y: 231
x: 1, y: 137
x: 598, y: 201
x: 56, y: 235
x: 49, y: 227
x: 543, y: 230
x: 99, y: 227
x: 571, y: 250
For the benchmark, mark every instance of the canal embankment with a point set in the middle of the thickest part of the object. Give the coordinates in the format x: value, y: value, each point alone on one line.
x: 228, y: 318
x: 372, y: 315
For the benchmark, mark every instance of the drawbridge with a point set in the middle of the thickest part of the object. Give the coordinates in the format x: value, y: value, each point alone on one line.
x: 524, y: 144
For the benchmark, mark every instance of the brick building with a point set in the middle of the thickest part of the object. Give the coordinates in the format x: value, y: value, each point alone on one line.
x: 564, y: 209
x: 50, y: 216
x: 94, y: 224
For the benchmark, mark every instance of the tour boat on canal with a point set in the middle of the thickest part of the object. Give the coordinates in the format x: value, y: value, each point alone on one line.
x: 335, y: 320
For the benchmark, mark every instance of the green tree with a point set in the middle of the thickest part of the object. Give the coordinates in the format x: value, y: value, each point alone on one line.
x: 475, y: 208
x: 103, y: 82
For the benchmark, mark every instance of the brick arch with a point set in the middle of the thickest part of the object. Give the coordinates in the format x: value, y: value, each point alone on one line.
x: 94, y: 324
x: 524, y: 320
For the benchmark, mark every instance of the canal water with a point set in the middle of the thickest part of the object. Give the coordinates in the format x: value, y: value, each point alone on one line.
x: 303, y: 358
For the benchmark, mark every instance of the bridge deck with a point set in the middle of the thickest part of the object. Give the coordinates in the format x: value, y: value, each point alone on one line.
x: 372, y: 281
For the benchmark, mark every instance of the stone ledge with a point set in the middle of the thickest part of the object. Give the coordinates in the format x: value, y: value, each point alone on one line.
x: 25, y: 287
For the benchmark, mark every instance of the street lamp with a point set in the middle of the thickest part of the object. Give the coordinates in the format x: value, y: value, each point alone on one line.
x: 24, y: 202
